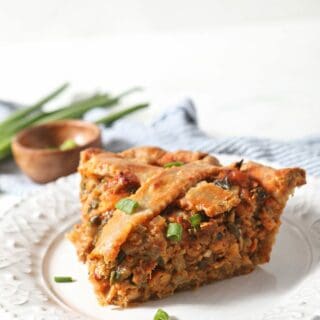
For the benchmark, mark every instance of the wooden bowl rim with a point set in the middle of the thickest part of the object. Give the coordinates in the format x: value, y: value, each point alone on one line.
x: 60, y: 123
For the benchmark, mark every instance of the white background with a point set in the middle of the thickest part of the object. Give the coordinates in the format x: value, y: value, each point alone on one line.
x: 252, y: 67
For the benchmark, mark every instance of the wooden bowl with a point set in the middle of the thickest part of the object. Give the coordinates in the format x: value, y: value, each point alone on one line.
x: 32, y: 153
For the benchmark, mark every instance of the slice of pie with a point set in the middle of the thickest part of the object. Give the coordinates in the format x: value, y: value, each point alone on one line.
x: 155, y: 222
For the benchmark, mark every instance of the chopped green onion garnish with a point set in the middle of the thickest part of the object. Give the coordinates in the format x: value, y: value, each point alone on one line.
x: 173, y: 164
x: 67, y: 145
x: 127, y: 205
x: 174, y: 231
x: 161, y: 315
x: 63, y: 279
x: 195, y: 220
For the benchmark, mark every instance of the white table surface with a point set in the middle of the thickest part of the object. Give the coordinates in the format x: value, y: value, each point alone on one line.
x: 257, y: 78
x: 260, y: 79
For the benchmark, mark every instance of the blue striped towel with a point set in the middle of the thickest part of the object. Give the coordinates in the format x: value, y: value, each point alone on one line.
x: 177, y: 129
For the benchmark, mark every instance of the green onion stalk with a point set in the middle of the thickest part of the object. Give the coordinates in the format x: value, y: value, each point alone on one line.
x: 72, y: 111
x: 77, y: 109
x: 25, y: 112
x: 109, y: 119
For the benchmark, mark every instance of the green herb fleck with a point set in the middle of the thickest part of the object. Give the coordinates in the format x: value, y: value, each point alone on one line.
x: 161, y: 315
x: 160, y: 262
x: 174, y: 231
x: 219, y: 236
x: 114, y: 276
x: 67, y: 145
x: 173, y: 164
x: 195, y: 220
x: 121, y: 256
x: 261, y: 195
x: 63, y: 279
x: 127, y: 205
x: 224, y: 183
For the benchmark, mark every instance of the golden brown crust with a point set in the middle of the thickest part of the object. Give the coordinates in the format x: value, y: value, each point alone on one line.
x: 279, y: 183
x: 142, y: 161
x: 159, y: 157
x: 149, y: 155
x: 107, y: 164
x: 209, y: 198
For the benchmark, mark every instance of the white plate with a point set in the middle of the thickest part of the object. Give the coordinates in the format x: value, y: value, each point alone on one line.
x: 33, y: 250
